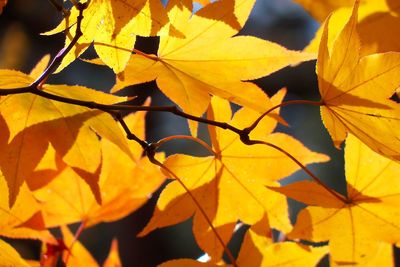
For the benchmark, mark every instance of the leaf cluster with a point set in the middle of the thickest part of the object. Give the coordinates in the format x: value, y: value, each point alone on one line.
x: 70, y: 154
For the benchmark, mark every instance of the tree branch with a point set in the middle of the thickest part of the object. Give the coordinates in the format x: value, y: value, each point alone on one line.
x: 63, y: 52
x: 60, y: 8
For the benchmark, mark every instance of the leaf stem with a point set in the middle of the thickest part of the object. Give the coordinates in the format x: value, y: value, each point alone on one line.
x: 283, y: 104
x: 185, y: 137
x: 129, y: 134
x: 202, y: 211
x: 76, y: 237
x: 149, y: 56
x: 37, y: 84
x: 312, y: 175
x: 149, y: 147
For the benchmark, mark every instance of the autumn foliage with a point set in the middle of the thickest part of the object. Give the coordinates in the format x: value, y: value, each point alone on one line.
x: 61, y: 145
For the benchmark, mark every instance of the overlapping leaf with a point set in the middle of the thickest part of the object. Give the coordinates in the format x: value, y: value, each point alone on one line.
x: 378, y: 21
x: 258, y: 250
x: 30, y: 122
x: 262, y: 253
x: 222, y: 182
x: 209, y: 60
x: 361, y: 229
x: 10, y: 257
x: 355, y: 92
x: 113, y: 25
x: 79, y: 256
x: 24, y: 219
x: 124, y: 185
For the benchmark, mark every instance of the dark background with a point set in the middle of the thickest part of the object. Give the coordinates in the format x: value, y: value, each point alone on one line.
x: 282, y: 21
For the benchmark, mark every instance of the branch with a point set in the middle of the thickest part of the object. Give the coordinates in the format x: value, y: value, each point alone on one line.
x: 311, y: 174
x: 60, y: 8
x: 63, y: 52
x: 149, y: 148
x: 202, y: 211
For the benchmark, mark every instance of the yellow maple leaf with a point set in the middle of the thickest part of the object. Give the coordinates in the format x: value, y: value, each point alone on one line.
x: 221, y: 182
x: 209, y: 60
x: 124, y: 185
x: 320, y: 9
x: 258, y: 250
x: 355, y: 91
x: 30, y: 122
x: 112, y: 26
x: 378, y: 19
x: 10, y: 257
x: 361, y: 229
x: 262, y: 253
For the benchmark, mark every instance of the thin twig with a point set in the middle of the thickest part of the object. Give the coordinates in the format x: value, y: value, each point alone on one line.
x: 202, y: 211
x: 243, y: 133
x: 312, y: 175
x: 60, y: 8
x: 150, y: 148
x: 185, y: 137
x: 129, y: 134
x: 62, y: 53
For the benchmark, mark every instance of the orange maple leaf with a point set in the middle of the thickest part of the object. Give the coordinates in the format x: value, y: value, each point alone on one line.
x: 79, y: 256
x: 24, y: 219
x: 113, y: 259
x: 361, y: 228
x: 257, y: 250
x: 124, y: 185
x: 29, y: 123
x: 220, y: 183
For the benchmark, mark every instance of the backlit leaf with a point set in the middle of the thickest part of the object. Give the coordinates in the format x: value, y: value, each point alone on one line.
x: 355, y: 92
x: 360, y: 229
x: 24, y: 219
x: 209, y: 60
x: 124, y: 185
x: 10, y: 257
x: 30, y: 122
x: 78, y: 255
x: 221, y: 182
x: 378, y: 19
x: 112, y: 26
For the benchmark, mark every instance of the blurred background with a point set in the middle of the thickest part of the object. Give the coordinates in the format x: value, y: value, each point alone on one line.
x: 281, y: 21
